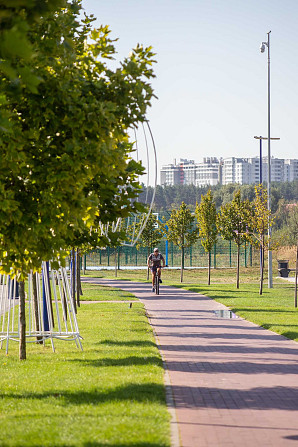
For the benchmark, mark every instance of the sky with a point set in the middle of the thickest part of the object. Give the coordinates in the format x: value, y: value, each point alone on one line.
x: 211, y: 78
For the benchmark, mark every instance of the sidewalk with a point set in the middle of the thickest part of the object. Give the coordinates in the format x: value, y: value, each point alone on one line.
x: 233, y: 383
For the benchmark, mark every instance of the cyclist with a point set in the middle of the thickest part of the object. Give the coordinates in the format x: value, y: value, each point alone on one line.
x: 154, y: 263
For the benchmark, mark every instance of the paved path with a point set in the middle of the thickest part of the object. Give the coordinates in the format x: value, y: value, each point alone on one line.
x: 234, y: 383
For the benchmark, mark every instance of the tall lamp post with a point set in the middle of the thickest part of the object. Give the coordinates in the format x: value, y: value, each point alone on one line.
x: 262, y: 49
x: 261, y: 181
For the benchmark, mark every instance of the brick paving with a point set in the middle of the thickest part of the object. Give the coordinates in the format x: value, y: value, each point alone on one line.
x: 233, y: 383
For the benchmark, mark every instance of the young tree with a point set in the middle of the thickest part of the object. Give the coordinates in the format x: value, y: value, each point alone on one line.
x: 293, y: 237
x: 65, y: 160
x: 152, y: 233
x: 182, y: 230
x: 262, y: 218
x: 233, y: 222
x: 206, y: 217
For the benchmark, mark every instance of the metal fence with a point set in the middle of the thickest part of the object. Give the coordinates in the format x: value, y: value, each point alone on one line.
x: 224, y: 254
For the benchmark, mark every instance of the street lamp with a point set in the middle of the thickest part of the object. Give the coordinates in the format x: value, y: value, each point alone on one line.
x: 261, y: 157
x: 261, y: 179
x: 262, y: 49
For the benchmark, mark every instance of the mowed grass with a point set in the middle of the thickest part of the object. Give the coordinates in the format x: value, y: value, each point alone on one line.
x: 111, y: 394
x: 273, y: 310
x: 191, y: 276
x: 92, y: 292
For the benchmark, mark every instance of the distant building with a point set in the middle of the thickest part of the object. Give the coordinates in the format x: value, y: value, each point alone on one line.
x: 247, y: 170
x: 187, y: 172
x: 208, y: 172
x: 229, y: 170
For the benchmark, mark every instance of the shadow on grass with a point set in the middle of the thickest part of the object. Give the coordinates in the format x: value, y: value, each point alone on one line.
x: 293, y: 335
x: 134, y: 392
x: 128, y: 343
x: 264, y: 309
x: 126, y: 361
x: 98, y: 444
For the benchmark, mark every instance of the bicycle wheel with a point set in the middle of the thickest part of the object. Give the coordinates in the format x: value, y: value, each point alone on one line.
x: 157, y: 284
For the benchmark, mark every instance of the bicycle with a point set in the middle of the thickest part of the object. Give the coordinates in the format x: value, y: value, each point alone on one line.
x: 156, y: 281
x: 156, y: 284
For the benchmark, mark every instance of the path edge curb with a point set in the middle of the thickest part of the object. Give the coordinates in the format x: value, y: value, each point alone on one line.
x: 175, y: 435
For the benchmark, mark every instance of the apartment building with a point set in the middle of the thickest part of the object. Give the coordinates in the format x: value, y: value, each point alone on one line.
x: 229, y: 170
x: 187, y: 172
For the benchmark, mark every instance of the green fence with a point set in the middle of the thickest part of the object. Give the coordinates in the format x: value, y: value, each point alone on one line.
x: 223, y: 255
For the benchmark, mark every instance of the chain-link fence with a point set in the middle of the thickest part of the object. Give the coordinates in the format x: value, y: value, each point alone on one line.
x: 223, y: 255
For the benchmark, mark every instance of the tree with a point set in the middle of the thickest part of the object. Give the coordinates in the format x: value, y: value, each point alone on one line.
x: 293, y: 237
x: 206, y: 217
x: 182, y: 230
x: 233, y: 222
x: 65, y: 159
x: 152, y: 233
x: 262, y: 218
x: 16, y: 50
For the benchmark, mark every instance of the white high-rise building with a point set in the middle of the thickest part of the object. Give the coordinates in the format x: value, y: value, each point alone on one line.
x: 290, y: 170
x: 230, y: 170
x: 208, y: 172
x: 247, y: 170
x: 187, y: 172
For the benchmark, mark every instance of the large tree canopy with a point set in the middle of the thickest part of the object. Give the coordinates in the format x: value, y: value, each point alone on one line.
x: 65, y: 156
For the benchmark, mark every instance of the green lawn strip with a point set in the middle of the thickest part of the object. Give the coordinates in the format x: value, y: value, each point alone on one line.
x: 112, y: 393
x: 273, y: 310
x: 93, y: 292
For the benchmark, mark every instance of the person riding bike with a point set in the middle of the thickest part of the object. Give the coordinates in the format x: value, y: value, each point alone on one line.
x: 154, y: 263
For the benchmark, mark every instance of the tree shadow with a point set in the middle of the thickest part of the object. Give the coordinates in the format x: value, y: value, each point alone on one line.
x: 133, y: 392
x: 230, y: 349
x: 231, y: 367
x: 261, y: 398
x: 98, y: 444
x: 132, y: 343
x: 126, y: 361
x: 293, y: 335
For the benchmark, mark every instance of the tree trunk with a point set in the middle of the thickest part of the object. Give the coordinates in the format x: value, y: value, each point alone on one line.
x: 262, y: 271
x: 73, y: 282
x: 182, y: 263
x: 35, y: 306
x: 296, y: 276
x: 78, y: 277
x: 148, y: 253
x: 238, y: 265
x: 22, y: 318
x: 209, y: 268
x: 83, y: 265
x: 116, y: 263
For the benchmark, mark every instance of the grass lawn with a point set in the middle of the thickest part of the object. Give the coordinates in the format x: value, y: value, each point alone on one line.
x: 92, y: 292
x: 111, y: 394
x: 195, y: 276
x: 273, y: 310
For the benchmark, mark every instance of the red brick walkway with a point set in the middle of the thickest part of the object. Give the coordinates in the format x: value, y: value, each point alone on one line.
x: 233, y: 383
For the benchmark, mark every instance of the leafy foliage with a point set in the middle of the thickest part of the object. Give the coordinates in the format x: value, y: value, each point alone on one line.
x: 234, y: 220
x: 152, y: 234
x: 206, y: 217
x: 181, y: 227
x: 293, y: 225
x: 66, y: 161
x: 182, y: 230
x: 167, y: 197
